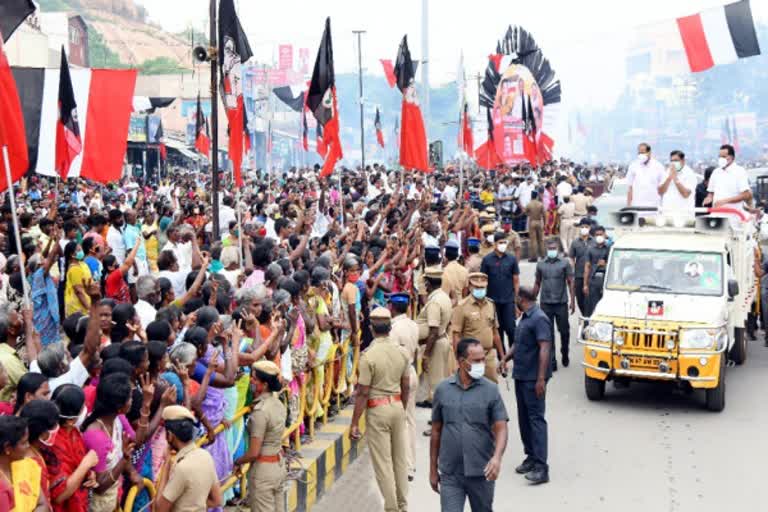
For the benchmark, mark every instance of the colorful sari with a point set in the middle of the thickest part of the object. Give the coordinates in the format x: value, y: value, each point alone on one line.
x: 299, y: 355
x: 27, y: 479
x: 214, y: 408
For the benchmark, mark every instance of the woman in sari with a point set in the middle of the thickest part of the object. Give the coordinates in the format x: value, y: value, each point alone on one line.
x: 20, y: 477
x: 42, y: 424
x: 103, y: 433
x: 45, y: 295
x: 72, y: 476
x: 550, y: 216
x: 209, y: 328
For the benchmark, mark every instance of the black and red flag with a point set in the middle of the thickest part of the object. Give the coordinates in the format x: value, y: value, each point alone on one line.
x: 234, y: 51
x: 379, y: 132
x: 322, y: 150
x: 321, y: 100
x: 529, y: 132
x: 68, y: 142
x: 12, y: 132
x: 413, y: 137
x: 486, y: 154
x: 202, y: 140
x: 304, y: 131
x: 12, y: 14
x: 159, y: 137
x: 467, y: 142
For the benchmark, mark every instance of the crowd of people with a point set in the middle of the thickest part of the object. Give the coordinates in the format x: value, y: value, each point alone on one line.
x: 131, y: 336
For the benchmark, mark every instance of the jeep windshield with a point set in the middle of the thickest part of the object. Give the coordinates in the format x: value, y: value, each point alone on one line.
x: 674, y: 272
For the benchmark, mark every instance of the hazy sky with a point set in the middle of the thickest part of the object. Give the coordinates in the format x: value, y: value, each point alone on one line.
x: 584, y: 39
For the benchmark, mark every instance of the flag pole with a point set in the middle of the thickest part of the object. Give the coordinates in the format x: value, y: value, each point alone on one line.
x: 341, y: 199
x: 239, y: 220
x: 359, y: 34
x: 16, y: 233
x: 214, y: 120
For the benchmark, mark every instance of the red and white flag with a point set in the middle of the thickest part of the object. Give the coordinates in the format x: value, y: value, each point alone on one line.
x: 68, y: 142
x: 104, y: 100
x: 720, y: 35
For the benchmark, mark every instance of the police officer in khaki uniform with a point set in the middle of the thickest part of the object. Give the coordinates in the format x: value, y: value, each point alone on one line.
x: 192, y: 484
x: 431, y: 261
x: 405, y: 332
x: 433, y: 323
x: 382, y: 392
x: 267, y: 473
x: 487, y: 246
x: 474, y: 260
x: 454, y: 274
x: 475, y: 317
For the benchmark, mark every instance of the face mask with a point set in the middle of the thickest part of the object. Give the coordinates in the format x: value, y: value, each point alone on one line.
x: 51, y: 436
x: 677, y: 165
x: 552, y: 254
x: 489, y: 239
x: 643, y: 157
x: 353, y: 277
x: 477, y: 370
x: 600, y: 239
x: 81, y: 418
x: 79, y: 255
x: 722, y: 162
x: 502, y: 247
x: 584, y: 231
x: 478, y: 293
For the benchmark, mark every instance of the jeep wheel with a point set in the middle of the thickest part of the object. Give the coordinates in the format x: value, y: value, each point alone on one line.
x: 738, y: 352
x: 595, y: 388
x: 716, y: 396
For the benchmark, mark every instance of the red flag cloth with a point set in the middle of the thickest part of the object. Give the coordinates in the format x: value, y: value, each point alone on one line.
x: 389, y: 71
x: 110, y: 101
x: 379, y: 133
x: 486, y: 155
x: 413, y: 138
x: 68, y: 142
x: 235, y: 116
x: 466, y: 132
x: 202, y: 141
x: 12, y: 132
x: 331, y: 140
x: 545, y: 146
x: 163, y: 151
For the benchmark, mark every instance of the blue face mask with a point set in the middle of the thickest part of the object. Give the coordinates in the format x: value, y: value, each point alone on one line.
x: 552, y: 254
x: 478, y: 293
x: 79, y: 255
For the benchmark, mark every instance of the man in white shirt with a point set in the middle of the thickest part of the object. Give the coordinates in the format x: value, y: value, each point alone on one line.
x: 148, y: 292
x: 226, y: 214
x: 524, y: 191
x: 645, y: 177
x: 181, y: 249
x: 679, y: 185
x: 564, y: 189
x: 115, y: 235
x: 729, y: 184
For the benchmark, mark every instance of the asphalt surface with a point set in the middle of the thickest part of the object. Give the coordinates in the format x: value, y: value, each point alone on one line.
x: 645, y: 448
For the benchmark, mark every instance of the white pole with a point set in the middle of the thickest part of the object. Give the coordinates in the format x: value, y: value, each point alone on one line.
x: 341, y: 199
x: 16, y: 233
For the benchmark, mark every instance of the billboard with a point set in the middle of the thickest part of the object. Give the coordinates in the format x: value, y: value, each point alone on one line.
x: 137, y: 129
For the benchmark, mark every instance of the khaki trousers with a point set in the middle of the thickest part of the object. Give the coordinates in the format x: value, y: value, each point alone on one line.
x: 265, y: 487
x: 440, y: 364
x: 387, y: 441
x: 410, y: 421
x: 536, y: 239
x: 566, y: 234
x: 491, y: 365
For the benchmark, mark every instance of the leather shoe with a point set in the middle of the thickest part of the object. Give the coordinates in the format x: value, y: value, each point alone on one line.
x: 554, y: 366
x: 526, y: 467
x: 566, y: 360
x: 426, y: 404
x: 538, y: 476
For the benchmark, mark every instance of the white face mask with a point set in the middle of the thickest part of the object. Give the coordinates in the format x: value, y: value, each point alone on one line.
x: 81, y: 418
x: 502, y: 247
x: 584, y: 231
x: 722, y: 162
x: 643, y: 157
x: 489, y: 239
x: 477, y: 370
x: 600, y: 239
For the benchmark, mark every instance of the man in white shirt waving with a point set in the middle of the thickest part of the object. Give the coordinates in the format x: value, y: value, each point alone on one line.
x: 728, y: 185
x: 679, y: 185
x: 645, y: 177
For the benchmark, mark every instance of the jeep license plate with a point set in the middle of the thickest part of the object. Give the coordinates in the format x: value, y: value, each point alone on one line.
x: 644, y: 362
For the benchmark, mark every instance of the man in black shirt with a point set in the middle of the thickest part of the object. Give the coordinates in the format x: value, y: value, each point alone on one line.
x: 554, y: 279
x: 503, y: 281
x: 578, y: 256
x: 594, y: 270
x: 531, y: 371
x: 701, y: 188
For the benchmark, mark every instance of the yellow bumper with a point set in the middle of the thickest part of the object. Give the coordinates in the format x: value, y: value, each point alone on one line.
x: 601, y: 363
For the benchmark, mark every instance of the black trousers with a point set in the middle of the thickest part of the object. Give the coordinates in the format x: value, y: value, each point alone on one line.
x: 455, y: 489
x: 505, y: 313
x: 595, y: 292
x: 558, y: 314
x: 581, y: 300
x: 533, y: 425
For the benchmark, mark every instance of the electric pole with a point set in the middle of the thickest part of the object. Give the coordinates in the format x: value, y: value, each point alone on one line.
x: 213, y: 52
x: 359, y: 34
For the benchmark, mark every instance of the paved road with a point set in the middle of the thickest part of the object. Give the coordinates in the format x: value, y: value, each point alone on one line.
x: 646, y: 448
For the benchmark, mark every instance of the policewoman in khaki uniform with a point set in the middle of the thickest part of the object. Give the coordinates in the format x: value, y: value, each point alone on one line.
x: 191, y: 484
x: 382, y: 392
x: 405, y: 333
x: 266, y: 425
x: 438, y: 361
x: 475, y: 317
